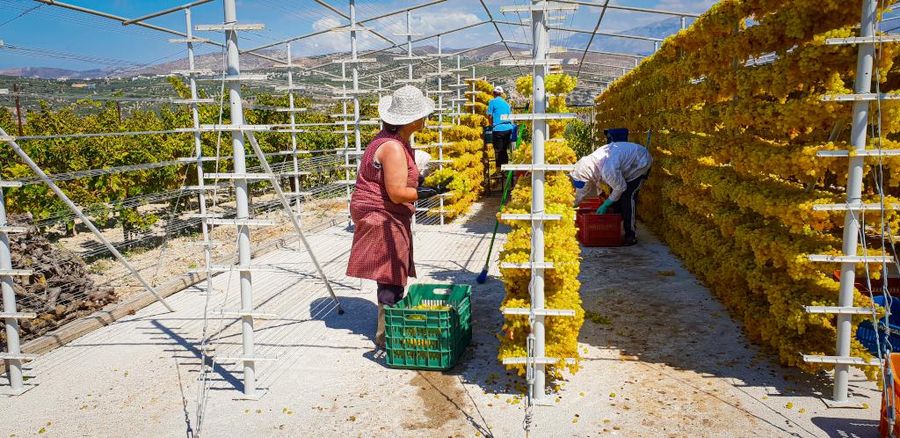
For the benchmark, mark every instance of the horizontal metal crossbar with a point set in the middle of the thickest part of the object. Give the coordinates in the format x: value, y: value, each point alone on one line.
x: 196, y: 159
x: 538, y: 312
x: 837, y: 310
x: 529, y: 265
x: 854, y: 207
x: 539, y: 116
x: 195, y: 72
x: 528, y: 62
x: 205, y: 216
x: 351, y: 29
x: 16, y: 272
x: 864, y: 40
x: 410, y: 58
x: 189, y: 40
x: 242, y: 222
x: 18, y: 315
x: 827, y: 258
x: 17, y: 357
x: 214, y: 128
x: 229, y: 26
x: 838, y: 360
x: 12, y: 229
x: 863, y: 153
x: 536, y: 360
x: 410, y: 81
x: 250, y: 313
x: 246, y: 77
x: 10, y: 184
x: 214, y: 269
x: 542, y: 6
x: 538, y: 167
x: 531, y: 217
x: 862, y: 97
x: 290, y: 88
x: 200, y: 188
x: 255, y: 176
x: 191, y: 101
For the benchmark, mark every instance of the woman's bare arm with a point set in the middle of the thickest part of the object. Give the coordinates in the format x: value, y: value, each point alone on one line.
x: 393, y: 163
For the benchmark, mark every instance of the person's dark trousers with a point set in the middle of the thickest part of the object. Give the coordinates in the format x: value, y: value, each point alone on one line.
x: 501, y: 141
x: 388, y: 295
x: 627, y: 204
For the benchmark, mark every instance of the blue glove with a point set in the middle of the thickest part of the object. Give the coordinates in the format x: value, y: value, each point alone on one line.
x: 603, y: 207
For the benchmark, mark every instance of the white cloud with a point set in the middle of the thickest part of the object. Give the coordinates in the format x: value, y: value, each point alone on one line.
x: 430, y: 23
x: 325, y: 23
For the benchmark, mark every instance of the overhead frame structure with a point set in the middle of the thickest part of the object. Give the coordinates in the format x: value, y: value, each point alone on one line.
x: 603, y: 5
x: 237, y: 128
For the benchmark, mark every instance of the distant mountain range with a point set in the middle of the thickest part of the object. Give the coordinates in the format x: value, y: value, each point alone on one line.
x: 659, y: 29
x: 54, y: 73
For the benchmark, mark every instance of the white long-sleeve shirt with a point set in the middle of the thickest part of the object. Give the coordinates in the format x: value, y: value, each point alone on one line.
x: 616, y: 164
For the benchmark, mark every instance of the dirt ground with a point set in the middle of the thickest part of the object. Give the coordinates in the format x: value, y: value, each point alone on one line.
x: 660, y: 357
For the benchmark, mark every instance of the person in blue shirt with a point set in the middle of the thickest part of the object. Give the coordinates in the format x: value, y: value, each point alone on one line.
x: 502, y: 129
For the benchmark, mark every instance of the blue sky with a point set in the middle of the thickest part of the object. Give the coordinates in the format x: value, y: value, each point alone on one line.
x: 49, y: 36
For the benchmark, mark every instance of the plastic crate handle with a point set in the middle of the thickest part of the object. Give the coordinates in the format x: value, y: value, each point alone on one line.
x: 442, y: 290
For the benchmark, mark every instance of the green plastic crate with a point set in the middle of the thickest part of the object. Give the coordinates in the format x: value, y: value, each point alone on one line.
x: 429, y: 339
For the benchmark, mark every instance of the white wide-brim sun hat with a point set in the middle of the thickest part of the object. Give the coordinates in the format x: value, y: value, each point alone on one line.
x: 405, y: 106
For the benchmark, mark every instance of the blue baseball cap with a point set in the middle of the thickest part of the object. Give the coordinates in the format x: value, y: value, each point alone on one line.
x: 578, y: 184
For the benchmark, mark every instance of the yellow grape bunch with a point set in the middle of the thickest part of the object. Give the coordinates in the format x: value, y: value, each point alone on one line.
x: 561, y: 288
x: 736, y: 172
x: 465, y: 148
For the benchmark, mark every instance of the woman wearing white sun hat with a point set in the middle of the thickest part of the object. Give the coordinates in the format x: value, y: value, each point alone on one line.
x: 381, y: 207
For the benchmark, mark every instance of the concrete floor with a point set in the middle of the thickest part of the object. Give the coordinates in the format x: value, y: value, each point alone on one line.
x: 662, y: 358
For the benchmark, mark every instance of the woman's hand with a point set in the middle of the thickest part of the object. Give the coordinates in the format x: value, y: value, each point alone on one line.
x: 392, y: 157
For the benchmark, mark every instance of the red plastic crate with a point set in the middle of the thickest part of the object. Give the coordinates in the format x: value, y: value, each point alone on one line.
x: 591, y: 203
x: 600, y: 229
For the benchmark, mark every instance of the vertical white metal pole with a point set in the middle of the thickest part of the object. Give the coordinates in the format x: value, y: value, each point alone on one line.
x: 409, y: 51
x: 293, y: 118
x: 380, y: 96
x: 683, y: 22
x: 345, y: 127
x: 440, y: 91
x: 241, y: 197
x: 858, y: 136
x: 198, y: 150
x: 458, y: 104
x: 353, y: 54
x: 537, y: 189
x: 13, y: 366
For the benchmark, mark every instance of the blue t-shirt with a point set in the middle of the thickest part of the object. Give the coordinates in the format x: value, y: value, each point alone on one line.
x: 496, y: 108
